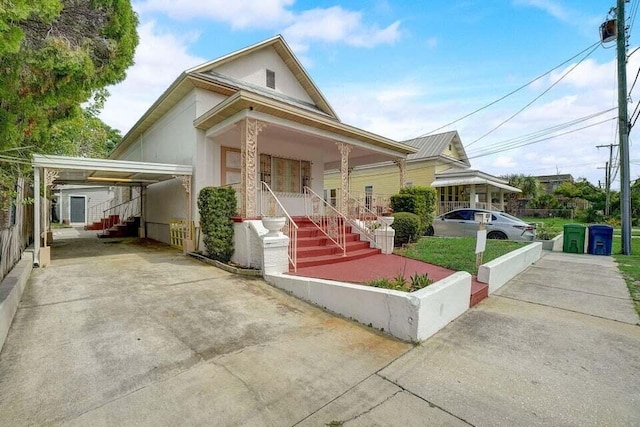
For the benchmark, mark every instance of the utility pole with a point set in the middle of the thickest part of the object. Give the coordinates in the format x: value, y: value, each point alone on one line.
x: 608, y: 178
x: 606, y: 168
x: 623, y: 128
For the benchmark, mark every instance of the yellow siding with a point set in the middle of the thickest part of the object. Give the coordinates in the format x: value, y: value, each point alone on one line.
x: 454, y: 152
x: 384, y: 179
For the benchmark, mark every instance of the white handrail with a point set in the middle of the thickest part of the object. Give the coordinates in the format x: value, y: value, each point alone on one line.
x: 270, y: 206
x: 121, y: 212
x: 361, y: 217
x: 95, y: 212
x: 327, y: 218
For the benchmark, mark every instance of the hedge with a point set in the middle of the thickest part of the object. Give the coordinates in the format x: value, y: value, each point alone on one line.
x: 407, y: 227
x: 417, y: 200
x: 216, y: 206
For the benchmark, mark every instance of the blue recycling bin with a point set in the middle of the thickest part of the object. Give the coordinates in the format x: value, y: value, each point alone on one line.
x: 600, y: 239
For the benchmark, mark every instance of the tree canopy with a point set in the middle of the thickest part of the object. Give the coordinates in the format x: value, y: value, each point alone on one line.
x: 528, y: 184
x: 54, y: 55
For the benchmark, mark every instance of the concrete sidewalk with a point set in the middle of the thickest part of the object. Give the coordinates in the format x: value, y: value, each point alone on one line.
x: 558, y: 345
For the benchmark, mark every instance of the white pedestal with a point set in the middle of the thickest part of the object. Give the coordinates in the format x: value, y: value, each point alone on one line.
x: 275, y: 249
x: 385, y: 237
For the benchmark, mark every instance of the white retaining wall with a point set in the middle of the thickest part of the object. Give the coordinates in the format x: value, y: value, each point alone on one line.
x: 409, y: 316
x: 499, y: 271
x: 11, y: 289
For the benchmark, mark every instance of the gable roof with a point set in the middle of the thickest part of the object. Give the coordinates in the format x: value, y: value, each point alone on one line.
x: 286, y: 54
x: 435, y: 145
x: 201, y: 76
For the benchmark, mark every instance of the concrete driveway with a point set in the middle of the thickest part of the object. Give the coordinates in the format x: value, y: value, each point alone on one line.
x: 116, y: 332
x: 127, y: 334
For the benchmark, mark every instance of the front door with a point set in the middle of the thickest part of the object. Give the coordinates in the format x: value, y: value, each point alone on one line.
x: 77, y: 206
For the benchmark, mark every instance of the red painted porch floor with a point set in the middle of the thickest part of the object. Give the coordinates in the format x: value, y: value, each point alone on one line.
x: 386, y: 266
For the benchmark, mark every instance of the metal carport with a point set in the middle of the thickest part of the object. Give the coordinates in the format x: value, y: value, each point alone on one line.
x: 60, y: 170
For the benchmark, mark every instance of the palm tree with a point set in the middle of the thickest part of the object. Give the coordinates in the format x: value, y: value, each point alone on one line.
x: 528, y: 184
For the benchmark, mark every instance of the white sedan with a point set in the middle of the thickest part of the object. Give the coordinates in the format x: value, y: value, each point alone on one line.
x: 460, y: 222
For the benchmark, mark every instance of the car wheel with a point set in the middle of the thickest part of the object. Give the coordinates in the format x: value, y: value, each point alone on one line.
x: 498, y: 235
x: 429, y: 231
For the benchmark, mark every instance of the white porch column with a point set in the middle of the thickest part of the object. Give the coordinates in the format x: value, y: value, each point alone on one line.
x: 402, y: 165
x: 248, y: 165
x: 472, y: 196
x: 489, y: 205
x: 345, y: 149
x: 36, y: 215
x: 502, y: 199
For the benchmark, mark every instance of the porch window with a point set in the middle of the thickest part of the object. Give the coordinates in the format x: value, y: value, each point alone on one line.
x: 285, y: 175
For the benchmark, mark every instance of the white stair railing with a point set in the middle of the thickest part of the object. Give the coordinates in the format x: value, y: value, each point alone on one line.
x: 121, y: 212
x: 327, y: 218
x: 96, y: 211
x: 361, y: 217
x: 270, y: 206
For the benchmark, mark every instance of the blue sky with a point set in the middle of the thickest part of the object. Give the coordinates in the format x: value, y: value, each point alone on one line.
x: 404, y: 68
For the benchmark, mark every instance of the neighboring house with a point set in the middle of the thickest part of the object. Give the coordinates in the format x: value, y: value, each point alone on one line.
x: 439, y: 162
x: 254, y: 120
x: 81, y: 205
x: 549, y: 183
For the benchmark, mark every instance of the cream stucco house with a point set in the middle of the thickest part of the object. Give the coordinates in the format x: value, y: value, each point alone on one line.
x: 255, y: 120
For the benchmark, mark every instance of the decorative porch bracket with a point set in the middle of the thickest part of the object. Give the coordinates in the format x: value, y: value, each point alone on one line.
x: 248, y: 165
x: 345, y: 149
x: 402, y: 165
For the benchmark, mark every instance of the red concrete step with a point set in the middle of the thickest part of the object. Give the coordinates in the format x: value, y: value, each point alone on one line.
x: 315, y: 251
x: 479, y: 291
x: 332, y: 259
x: 323, y: 240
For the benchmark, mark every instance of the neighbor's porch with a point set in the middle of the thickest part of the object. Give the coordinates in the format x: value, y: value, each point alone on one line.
x: 471, y: 189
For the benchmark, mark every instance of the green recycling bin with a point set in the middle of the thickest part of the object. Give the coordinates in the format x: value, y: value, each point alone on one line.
x: 573, y: 241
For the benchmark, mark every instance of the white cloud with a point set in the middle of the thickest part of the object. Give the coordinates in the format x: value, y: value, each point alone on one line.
x: 159, y: 59
x: 403, y: 110
x: 551, y: 7
x: 239, y: 14
x: 330, y: 25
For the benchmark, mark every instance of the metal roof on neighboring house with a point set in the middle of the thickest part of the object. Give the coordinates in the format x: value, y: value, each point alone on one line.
x: 435, y: 146
x: 554, y: 178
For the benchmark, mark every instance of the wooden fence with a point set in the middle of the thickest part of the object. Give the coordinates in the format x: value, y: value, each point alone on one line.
x: 16, y: 228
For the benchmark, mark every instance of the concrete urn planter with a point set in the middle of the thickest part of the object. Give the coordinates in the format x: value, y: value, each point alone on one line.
x: 274, y: 224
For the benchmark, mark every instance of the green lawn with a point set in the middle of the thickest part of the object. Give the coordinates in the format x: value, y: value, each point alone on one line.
x: 629, y: 266
x: 555, y: 225
x: 456, y: 253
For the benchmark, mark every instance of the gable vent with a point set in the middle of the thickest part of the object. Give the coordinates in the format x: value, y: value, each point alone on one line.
x: 271, y: 79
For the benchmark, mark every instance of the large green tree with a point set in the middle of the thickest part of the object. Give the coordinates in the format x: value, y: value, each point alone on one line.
x: 54, y: 54
x: 529, y: 186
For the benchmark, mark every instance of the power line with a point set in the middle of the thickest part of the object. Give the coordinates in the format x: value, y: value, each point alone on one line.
x: 512, y: 92
x: 539, y: 140
x: 536, y: 98
x: 540, y: 133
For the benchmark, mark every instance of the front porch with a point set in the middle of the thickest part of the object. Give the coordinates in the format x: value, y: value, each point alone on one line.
x: 276, y: 160
x: 471, y: 189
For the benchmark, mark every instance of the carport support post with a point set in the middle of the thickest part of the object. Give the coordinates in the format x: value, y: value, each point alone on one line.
x: 36, y: 215
x: 188, y: 243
